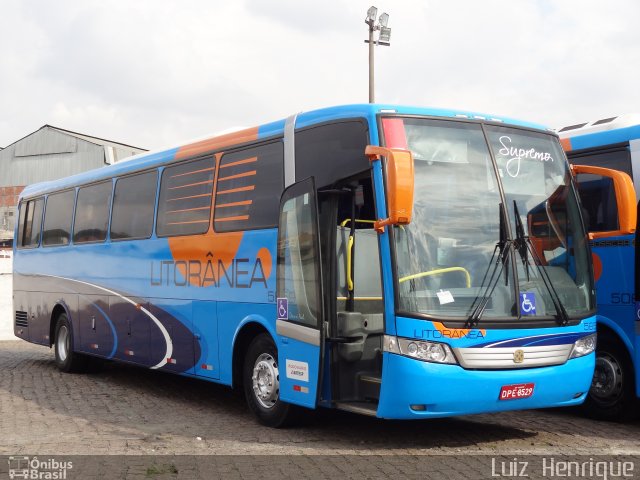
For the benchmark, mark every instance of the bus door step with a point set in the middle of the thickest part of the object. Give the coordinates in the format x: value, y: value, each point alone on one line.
x: 361, y: 408
x: 369, y: 386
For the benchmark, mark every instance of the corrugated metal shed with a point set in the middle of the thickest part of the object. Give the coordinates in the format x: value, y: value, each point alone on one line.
x: 50, y: 153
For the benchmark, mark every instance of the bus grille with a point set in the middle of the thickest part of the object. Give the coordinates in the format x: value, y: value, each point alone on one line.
x: 502, y: 358
x: 21, y: 319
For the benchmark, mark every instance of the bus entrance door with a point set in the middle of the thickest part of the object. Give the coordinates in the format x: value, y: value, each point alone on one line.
x: 299, y: 296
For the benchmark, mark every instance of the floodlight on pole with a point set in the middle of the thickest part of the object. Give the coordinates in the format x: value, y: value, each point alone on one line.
x: 383, y: 39
x: 385, y: 34
x: 371, y: 14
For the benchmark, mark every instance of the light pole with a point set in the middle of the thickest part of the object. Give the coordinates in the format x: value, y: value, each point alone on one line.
x: 383, y: 39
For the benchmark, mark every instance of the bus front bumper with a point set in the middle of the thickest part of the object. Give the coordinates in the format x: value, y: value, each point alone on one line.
x: 412, y: 389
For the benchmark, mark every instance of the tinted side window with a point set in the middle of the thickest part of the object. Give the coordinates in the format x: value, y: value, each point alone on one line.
x: 57, y: 221
x: 30, y: 223
x: 185, y: 198
x: 92, y: 213
x: 250, y: 183
x: 331, y: 152
x: 599, y: 206
x: 618, y: 158
x: 133, y: 204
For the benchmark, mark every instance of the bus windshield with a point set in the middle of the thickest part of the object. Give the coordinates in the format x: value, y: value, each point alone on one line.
x: 474, y: 250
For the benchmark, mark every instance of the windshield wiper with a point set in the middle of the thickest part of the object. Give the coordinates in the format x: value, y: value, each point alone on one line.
x: 523, y: 244
x: 494, y: 270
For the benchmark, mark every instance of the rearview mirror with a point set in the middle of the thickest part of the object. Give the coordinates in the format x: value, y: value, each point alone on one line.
x: 608, y: 199
x: 399, y: 181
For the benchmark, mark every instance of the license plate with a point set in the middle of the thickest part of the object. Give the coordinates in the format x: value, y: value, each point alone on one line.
x: 513, y: 392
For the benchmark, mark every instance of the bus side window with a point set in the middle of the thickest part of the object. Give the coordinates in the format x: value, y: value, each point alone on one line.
x: 615, y: 158
x: 184, y: 207
x: 57, y: 218
x: 598, y: 197
x: 92, y: 213
x: 133, y: 203
x: 30, y: 223
x: 250, y: 183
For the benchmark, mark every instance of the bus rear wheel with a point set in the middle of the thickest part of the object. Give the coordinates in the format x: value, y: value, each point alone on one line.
x: 611, y: 396
x: 66, y: 359
x: 261, y: 379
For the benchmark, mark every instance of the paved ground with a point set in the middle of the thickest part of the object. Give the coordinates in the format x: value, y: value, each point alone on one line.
x: 6, y: 302
x: 130, y: 411
x: 6, y: 307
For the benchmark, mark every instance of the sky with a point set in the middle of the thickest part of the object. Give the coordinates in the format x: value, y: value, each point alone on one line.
x: 153, y: 73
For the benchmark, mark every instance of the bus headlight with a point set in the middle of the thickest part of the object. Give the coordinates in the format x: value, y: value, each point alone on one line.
x: 584, y: 346
x: 428, y: 351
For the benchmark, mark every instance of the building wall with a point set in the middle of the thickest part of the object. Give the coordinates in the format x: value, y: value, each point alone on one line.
x: 8, y: 202
x: 47, y: 155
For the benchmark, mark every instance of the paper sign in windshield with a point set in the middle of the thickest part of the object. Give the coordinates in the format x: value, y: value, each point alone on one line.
x: 445, y: 297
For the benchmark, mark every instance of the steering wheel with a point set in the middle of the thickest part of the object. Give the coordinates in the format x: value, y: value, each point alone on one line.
x: 438, y: 271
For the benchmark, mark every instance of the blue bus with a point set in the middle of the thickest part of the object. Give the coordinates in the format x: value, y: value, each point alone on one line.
x: 397, y: 262
x: 611, y: 215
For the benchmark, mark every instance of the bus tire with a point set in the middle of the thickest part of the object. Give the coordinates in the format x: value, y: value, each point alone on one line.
x: 612, y: 393
x: 67, y: 360
x: 262, y: 383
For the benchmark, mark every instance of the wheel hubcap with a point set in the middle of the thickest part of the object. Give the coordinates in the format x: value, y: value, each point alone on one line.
x: 266, y: 380
x: 62, y: 342
x: 607, y: 379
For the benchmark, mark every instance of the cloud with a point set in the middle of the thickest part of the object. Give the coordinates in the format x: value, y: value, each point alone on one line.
x: 154, y: 72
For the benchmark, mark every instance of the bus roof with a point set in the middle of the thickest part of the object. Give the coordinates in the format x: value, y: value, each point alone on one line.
x: 606, y: 131
x: 167, y: 155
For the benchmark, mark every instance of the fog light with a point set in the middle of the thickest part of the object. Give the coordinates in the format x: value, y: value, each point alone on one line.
x: 418, y: 408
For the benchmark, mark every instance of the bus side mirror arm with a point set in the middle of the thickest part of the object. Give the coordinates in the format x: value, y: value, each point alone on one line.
x: 399, y: 178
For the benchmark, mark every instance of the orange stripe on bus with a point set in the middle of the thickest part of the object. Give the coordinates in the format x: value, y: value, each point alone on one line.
x: 191, y: 196
x: 231, y: 219
x: 566, y: 144
x: 239, y: 189
x: 185, y: 223
x: 240, y: 162
x: 217, y: 143
x: 195, y: 171
x: 189, y: 209
x: 238, y: 175
x: 235, y: 204
x: 191, y: 185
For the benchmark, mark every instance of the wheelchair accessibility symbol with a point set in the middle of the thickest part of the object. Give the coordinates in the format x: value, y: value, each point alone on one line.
x: 283, y: 309
x: 528, y: 303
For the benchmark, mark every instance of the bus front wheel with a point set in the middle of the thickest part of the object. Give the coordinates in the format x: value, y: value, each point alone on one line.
x: 611, y: 396
x: 261, y: 379
x: 66, y: 359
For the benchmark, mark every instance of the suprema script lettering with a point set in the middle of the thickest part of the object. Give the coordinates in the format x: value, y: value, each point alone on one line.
x: 517, y: 154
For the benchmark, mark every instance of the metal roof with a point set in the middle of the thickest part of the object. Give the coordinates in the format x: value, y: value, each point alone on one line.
x: 51, y: 153
x: 88, y: 138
